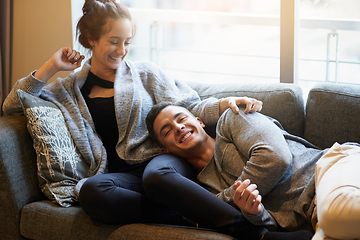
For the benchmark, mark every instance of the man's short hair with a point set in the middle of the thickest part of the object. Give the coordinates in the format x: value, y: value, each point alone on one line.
x: 151, y: 116
x: 154, y: 112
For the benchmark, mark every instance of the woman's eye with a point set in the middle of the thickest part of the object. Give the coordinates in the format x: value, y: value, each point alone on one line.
x: 113, y: 42
x: 127, y: 43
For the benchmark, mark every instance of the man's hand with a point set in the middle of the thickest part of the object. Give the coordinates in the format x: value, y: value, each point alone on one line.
x: 247, y: 197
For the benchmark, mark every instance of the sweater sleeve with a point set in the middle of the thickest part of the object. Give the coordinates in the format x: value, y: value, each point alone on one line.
x: 265, y: 152
x: 164, y: 88
x: 28, y: 84
x: 207, y: 109
x: 264, y: 219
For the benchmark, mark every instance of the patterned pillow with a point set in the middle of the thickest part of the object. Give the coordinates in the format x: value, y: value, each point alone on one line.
x: 59, y: 165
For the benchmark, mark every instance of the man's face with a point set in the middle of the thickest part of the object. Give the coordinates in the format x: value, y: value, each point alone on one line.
x: 179, y: 131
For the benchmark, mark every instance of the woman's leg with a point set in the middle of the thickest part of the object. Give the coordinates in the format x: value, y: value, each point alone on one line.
x: 169, y: 180
x: 119, y: 198
x: 338, y: 192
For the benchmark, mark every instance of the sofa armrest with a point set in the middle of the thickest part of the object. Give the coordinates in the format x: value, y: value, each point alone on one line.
x: 282, y: 101
x: 18, y: 177
x: 333, y: 114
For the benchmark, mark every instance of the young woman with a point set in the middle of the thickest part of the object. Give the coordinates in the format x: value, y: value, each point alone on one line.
x: 105, y: 105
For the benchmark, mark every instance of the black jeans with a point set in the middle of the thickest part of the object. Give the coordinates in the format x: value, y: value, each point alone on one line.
x: 170, y: 181
x: 119, y: 198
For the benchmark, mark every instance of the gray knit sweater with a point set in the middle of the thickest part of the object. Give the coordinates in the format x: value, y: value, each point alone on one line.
x: 251, y: 146
x: 138, y: 86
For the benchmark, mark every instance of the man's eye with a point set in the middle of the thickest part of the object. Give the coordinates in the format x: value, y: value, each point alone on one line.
x: 182, y: 119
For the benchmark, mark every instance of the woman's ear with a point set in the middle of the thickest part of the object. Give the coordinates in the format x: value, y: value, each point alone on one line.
x: 92, y: 43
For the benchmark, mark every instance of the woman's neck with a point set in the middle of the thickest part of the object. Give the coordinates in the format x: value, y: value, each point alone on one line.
x: 101, y: 72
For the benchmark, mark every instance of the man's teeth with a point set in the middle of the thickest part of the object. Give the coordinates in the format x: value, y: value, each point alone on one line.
x: 185, y: 137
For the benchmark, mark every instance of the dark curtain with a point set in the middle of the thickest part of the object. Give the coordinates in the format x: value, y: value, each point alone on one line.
x: 5, y: 49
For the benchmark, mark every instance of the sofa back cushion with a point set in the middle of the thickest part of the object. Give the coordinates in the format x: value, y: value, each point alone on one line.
x: 283, y: 102
x: 333, y: 114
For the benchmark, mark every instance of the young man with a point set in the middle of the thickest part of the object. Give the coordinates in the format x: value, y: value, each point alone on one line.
x: 254, y: 148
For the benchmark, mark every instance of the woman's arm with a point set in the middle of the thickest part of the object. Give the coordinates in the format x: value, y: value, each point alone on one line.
x: 209, y: 110
x: 64, y: 59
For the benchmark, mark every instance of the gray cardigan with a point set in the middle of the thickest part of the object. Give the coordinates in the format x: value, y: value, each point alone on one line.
x: 138, y: 86
x: 251, y: 146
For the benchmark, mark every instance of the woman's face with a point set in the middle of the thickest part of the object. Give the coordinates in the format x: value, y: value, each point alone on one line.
x: 111, y: 48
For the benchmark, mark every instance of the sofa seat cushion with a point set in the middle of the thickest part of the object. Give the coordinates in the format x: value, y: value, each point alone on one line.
x: 164, y: 232
x: 47, y: 220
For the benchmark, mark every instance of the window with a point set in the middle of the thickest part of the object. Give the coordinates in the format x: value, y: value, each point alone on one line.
x: 209, y: 40
x: 252, y: 41
x: 329, y: 42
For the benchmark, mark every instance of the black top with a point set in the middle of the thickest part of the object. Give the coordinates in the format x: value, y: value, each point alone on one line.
x: 102, y: 111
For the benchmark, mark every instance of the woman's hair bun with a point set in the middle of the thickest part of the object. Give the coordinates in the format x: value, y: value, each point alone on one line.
x: 89, y: 4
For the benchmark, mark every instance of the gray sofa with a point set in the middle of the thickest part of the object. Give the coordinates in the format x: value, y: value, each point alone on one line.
x: 331, y: 113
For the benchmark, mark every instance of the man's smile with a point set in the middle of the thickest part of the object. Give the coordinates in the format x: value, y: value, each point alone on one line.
x: 182, y: 139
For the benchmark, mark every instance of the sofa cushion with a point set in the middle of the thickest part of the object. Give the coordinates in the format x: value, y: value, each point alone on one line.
x: 284, y: 102
x: 18, y: 180
x: 58, y: 163
x: 47, y: 220
x: 333, y: 114
x: 162, y: 232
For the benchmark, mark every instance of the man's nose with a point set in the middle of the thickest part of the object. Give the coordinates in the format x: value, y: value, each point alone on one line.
x: 180, y: 128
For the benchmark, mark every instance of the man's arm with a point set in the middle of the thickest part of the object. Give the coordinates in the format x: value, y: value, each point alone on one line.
x: 264, y: 152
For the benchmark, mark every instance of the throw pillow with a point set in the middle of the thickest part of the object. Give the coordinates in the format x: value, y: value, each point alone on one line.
x: 59, y: 165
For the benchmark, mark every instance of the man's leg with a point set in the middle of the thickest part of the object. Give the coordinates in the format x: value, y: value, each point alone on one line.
x: 338, y: 192
x: 170, y: 180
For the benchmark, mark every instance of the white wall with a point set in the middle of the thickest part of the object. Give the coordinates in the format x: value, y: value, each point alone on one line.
x: 40, y: 28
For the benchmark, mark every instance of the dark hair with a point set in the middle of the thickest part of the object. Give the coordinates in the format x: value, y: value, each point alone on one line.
x: 96, y: 15
x: 151, y: 116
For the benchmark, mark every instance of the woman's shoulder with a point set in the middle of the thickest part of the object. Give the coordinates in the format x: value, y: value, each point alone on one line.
x: 144, y: 66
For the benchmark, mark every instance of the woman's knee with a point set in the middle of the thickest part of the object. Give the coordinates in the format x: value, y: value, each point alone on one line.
x: 87, y: 188
x: 89, y: 193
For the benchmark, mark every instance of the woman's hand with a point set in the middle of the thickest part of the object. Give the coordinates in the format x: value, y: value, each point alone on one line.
x: 252, y: 105
x: 65, y: 59
x: 247, y: 197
